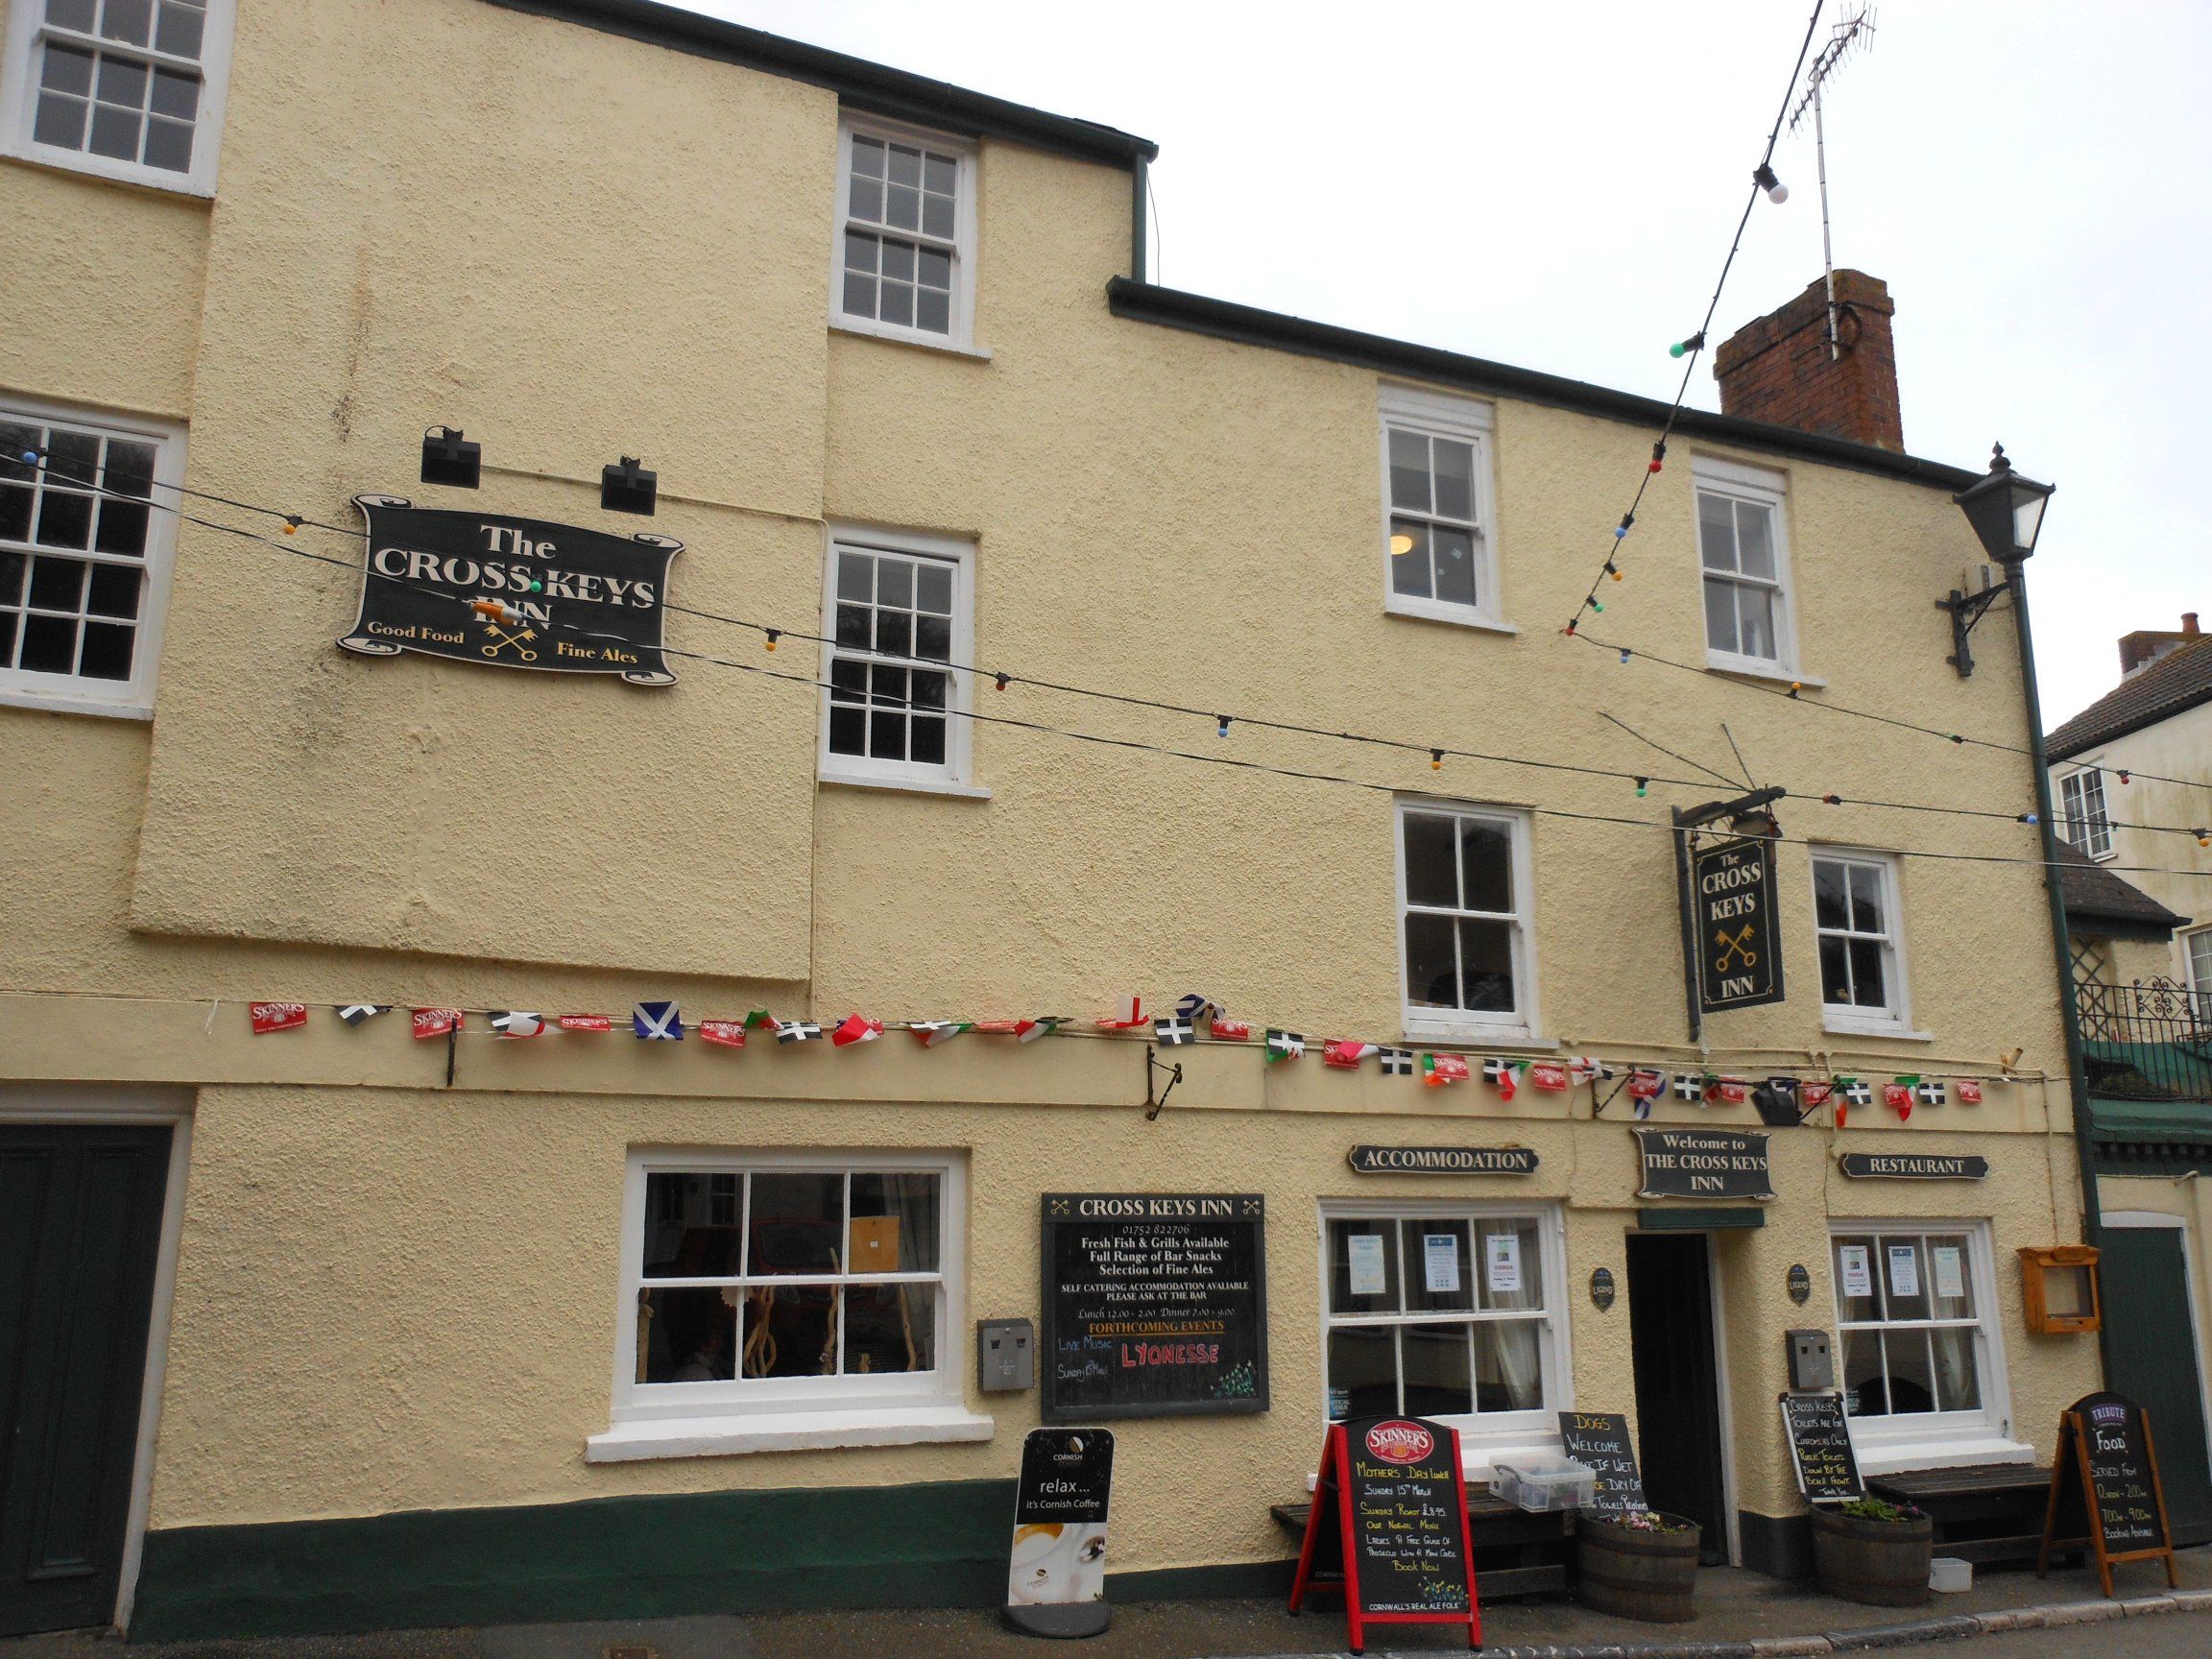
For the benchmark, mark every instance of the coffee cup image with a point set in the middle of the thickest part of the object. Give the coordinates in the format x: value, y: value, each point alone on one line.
x: 1057, y: 1562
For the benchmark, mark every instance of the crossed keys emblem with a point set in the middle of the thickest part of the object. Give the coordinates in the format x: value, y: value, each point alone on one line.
x: 501, y: 640
x: 1735, y: 948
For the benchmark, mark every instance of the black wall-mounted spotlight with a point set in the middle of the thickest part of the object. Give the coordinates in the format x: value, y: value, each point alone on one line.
x: 628, y: 488
x: 446, y: 459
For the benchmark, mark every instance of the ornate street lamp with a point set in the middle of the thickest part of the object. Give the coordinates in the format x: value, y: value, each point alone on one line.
x: 2006, y: 509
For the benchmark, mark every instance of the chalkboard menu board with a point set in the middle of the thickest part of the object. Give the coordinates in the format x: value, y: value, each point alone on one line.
x: 1598, y: 1441
x: 1155, y: 1304
x: 2105, y: 1488
x: 1389, y: 1523
x: 1820, y: 1448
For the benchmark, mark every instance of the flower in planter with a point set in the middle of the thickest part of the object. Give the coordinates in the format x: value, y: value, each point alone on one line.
x: 1651, y: 1521
x: 1876, y: 1509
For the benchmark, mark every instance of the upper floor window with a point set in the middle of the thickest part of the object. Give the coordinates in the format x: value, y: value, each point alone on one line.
x: 83, y: 557
x: 1855, y: 915
x: 1465, y: 921
x: 905, y: 235
x: 901, y: 608
x: 129, y: 89
x: 1439, y: 558
x: 2081, y: 810
x: 1745, y: 560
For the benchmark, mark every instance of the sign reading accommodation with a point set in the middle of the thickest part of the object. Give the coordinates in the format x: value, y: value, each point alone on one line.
x: 1739, y: 937
x: 1056, y: 1575
x: 1155, y: 1304
x: 511, y: 592
x: 1913, y: 1165
x: 2105, y: 1488
x: 1820, y: 1448
x: 1703, y: 1164
x: 1598, y: 1441
x: 1442, y: 1160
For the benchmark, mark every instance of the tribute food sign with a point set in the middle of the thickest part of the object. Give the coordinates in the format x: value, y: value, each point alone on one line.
x: 511, y: 592
x: 1704, y: 1164
x: 1739, y: 938
x: 2106, y: 1491
x: 1155, y: 1304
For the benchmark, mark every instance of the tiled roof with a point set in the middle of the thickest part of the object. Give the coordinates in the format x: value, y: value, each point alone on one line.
x: 2093, y: 894
x: 2179, y: 681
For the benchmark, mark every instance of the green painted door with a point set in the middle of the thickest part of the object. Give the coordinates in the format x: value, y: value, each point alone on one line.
x: 2153, y: 1362
x: 79, y: 1228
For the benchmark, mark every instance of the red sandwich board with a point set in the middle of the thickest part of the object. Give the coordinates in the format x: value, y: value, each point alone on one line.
x: 1388, y: 1528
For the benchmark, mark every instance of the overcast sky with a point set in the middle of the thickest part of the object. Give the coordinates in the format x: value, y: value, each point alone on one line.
x: 1553, y: 185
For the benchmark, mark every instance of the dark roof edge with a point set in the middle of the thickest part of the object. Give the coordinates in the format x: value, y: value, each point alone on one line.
x: 1172, y: 308
x: 879, y: 89
x: 2102, y: 735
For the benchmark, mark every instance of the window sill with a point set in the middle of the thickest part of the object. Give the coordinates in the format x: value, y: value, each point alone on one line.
x: 1751, y: 668
x: 908, y: 337
x: 1893, y: 1031
x: 83, y: 166
x: 1453, y: 615
x: 1959, y: 1453
x: 56, y: 705
x: 784, y: 1432
x: 907, y: 786
x: 1497, y: 1036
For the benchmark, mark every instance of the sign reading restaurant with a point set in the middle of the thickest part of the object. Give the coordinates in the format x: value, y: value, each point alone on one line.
x: 1739, y: 941
x: 1703, y: 1164
x: 1913, y: 1165
x: 1442, y: 1160
x: 511, y: 592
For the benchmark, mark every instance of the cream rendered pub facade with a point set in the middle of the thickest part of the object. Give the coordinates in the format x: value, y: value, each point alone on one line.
x: 379, y: 1357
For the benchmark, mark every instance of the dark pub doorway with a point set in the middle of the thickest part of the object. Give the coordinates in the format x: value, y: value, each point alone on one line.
x: 1678, y: 1383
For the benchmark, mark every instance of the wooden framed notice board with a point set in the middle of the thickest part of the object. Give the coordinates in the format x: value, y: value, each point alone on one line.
x: 2106, y: 1493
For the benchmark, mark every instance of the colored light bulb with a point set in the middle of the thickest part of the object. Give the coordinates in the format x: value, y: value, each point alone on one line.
x: 1643, y: 787
x: 1435, y: 759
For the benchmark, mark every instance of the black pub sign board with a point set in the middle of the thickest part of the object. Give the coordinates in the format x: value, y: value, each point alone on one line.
x: 1442, y: 1160
x: 511, y: 592
x: 1820, y: 1448
x: 1704, y: 1164
x: 1155, y: 1304
x: 1738, y: 936
x: 1913, y: 1165
x: 2105, y: 1490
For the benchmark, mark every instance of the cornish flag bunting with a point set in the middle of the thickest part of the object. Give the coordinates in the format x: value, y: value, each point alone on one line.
x: 657, y: 1022
x: 584, y: 1023
x: 1345, y: 1052
x: 1855, y: 1093
x: 1397, y: 1062
x: 512, y: 1023
x: 1930, y: 1091
x: 1043, y: 1026
x: 798, y: 1031
x: 1172, y: 1031
x: 1504, y: 1075
x: 1438, y: 1070
x: 853, y: 1028
x: 276, y: 1016
x: 1285, y: 1044
x: 354, y: 1012
x: 931, y: 1033
x: 1969, y: 1091
x: 438, y: 1022
x: 1689, y: 1086
x: 726, y: 1033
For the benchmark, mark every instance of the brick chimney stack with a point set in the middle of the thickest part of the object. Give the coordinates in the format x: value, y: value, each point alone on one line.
x: 1779, y: 370
x: 2146, y: 645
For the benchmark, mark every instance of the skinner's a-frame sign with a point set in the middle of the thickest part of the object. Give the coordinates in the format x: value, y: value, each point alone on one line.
x: 1738, y: 941
x: 509, y: 592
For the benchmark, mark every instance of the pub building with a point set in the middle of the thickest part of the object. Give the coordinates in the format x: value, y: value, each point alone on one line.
x: 453, y: 879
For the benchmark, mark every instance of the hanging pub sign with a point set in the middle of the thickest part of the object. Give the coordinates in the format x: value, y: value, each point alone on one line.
x: 1732, y: 919
x: 511, y: 592
x: 1913, y: 1165
x: 1155, y: 1304
x: 1442, y: 1160
x: 1703, y: 1164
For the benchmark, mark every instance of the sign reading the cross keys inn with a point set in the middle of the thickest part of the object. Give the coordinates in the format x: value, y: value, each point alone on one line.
x: 511, y: 592
x: 1704, y: 1164
x: 1739, y: 938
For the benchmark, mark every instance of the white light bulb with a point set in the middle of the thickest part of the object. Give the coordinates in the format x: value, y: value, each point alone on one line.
x: 1779, y: 194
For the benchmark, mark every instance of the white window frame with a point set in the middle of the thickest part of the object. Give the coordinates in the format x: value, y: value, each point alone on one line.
x: 2089, y: 835
x: 1896, y: 1019
x: 1466, y: 421
x: 1711, y: 476
x: 961, y: 337
x: 1422, y: 1021
x: 27, y: 32
x: 1489, y: 1436
x: 761, y: 1415
x: 2197, y: 978
x: 1935, y: 1439
x: 130, y: 699
x: 954, y: 776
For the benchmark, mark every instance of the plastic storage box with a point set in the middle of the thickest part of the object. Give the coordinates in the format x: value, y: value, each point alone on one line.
x: 1948, y: 1575
x: 1543, y: 1487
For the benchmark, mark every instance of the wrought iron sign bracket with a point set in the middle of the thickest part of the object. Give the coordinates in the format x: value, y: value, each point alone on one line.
x: 1153, y: 1066
x: 1966, y: 609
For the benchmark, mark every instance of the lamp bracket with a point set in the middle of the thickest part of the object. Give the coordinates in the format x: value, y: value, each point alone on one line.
x: 1153, y: 1066
x: 1966, y: 609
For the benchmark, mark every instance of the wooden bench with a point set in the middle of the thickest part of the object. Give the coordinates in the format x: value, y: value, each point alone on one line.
x: 1987, y: 1513
x: 1515, y: 1554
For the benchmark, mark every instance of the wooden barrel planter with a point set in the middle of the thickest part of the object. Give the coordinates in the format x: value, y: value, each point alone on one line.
x: 1633, y: 1573
x: 1878, y: 1563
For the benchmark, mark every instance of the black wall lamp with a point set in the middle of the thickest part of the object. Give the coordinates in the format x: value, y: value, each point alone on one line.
x: 447, y: 459
x: 628, y: 488
x: 2006, y: 510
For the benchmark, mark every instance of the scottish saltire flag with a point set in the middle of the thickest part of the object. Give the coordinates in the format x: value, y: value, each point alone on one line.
x: 798, y: 1031
x: 1172, y: 1031
x: 354, y: 1012
x: 1285, y: 1044
x: 1397, y: 1062
x: 657, y: 1022
x: 512, y: 1023
x: 1196, y: 1004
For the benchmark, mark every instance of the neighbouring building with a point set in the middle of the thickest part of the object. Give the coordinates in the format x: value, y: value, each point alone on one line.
x: 373, y: 1257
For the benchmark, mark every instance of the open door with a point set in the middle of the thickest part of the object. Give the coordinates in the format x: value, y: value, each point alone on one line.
x: 1678, y: 1381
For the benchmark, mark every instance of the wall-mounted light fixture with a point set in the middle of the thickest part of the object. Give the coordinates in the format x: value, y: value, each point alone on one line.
x: 628, y: 488
x: 448, y: 459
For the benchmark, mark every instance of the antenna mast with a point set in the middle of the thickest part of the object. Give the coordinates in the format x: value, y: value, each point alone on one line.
x: 1854, y: 31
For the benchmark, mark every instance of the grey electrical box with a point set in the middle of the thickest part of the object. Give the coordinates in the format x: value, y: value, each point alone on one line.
x: 1005, y: 1355
x: 1812, y: 1365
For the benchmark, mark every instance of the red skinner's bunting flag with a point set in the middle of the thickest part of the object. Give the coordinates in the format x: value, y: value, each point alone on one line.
x: 1128, y: 1014
x: 276, y: 1016
x: 1728, y: 1091
x: 853, y: 1028
x: 1814, y: 1095
x: 585, y: 1023
x: 726, y: 1033
x: 1548, y: 1076
x: 1969, y: 1091
x: 512, y: 1023
x: 1644, y: 1088
x: 438, y: 1022
x: 1345, y: 1052
x: 1231, y: 1030
x: 1899, y: 1098
x: 1440, y: 1069
x: 995, y: 1027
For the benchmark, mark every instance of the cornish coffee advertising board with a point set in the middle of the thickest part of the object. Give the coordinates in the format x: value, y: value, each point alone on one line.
x: 1155, y: 1304
x: 1739, y: 939
x: 509, y: 592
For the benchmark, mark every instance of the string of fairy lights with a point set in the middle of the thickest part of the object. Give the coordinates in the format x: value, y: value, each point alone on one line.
x: 1223, y: 721
x: 813, y: 683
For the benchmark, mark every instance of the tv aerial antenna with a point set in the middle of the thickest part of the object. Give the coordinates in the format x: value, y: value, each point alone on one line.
x: 1847, y: 37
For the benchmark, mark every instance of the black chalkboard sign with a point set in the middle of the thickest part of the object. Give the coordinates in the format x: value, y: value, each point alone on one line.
x: 1820, y: 1448
x: 1388, y: 1526
x: 1155, y: 1304
x: 1598, y: 1441
x: 2106, y: 1491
